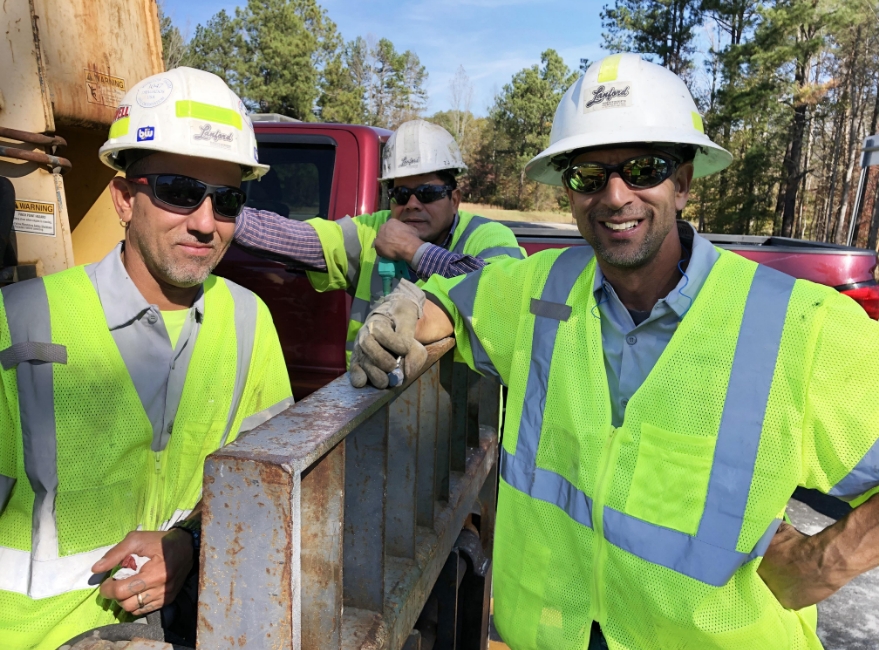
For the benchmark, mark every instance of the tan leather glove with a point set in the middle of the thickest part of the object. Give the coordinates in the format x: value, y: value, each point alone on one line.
x: 389, y: 333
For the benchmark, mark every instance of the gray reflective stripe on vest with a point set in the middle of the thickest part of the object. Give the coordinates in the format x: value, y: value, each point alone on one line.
x: 27, y: 313
x: 253, y: 421
x: 353, y: 248
x: 475, y: 222
x: 33, y: 351
x: 463, y: 295
x: 511, y: 251
x: 520, y: 470
x: 245, y: 334
x: 711, y: 555
x: 747, y: 394
x: 863, y: 477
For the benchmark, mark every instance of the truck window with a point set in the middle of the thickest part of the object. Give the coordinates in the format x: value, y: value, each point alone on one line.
x: 298, y: 184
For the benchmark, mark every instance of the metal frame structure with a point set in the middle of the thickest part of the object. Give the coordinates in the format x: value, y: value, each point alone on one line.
x: 338, y: 523
x: 869, y: 158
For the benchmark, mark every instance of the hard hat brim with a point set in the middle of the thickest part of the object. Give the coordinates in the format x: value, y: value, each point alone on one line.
x: 710, y: 158
x: 108, y: 153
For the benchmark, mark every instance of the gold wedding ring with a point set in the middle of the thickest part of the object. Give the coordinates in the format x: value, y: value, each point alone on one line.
x: 140, y: 600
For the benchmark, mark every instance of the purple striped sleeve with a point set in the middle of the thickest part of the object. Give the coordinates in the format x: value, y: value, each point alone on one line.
x: 270, y: 235
x: 439, y: 261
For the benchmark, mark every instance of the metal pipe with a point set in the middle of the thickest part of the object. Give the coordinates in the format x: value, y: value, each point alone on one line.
x: 869, y: 158
x: 32, y: 138
x: 56, y: 164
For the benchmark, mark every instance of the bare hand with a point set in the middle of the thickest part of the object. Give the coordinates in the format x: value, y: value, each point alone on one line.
x: 160, y: 579
x: 397, y: 241
x: 796, y: 568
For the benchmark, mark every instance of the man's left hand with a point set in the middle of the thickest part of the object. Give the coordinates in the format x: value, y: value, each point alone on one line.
x: 397, y: 241
x: 159, y: 580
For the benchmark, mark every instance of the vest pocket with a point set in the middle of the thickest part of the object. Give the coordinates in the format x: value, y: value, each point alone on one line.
x: 670, y: 481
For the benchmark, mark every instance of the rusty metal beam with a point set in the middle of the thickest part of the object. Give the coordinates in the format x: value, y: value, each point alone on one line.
x: 344, y: 499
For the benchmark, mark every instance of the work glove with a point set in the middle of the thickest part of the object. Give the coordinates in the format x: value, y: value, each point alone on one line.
x: 389, y: 333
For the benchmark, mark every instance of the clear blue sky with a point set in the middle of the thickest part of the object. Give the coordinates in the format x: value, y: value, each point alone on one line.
x: 492, y: 39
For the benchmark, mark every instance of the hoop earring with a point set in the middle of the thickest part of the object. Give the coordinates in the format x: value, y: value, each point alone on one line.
x: 123, y: 223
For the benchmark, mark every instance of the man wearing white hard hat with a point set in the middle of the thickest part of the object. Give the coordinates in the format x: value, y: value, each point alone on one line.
x: 666, y: 398
x: 121, y: 376
x: 424, y: 231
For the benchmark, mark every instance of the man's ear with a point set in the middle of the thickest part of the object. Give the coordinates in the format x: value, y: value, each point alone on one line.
x: 683, y: 179
x: 456, y: 198
x: 123, y: 198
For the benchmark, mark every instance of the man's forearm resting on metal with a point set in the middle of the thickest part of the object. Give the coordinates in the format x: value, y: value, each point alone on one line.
x: 434, y: 325
x: 803, y: 570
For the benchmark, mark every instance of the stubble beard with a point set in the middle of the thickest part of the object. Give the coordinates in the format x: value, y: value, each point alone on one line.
x: 633, y: 255
x: 183, y: 273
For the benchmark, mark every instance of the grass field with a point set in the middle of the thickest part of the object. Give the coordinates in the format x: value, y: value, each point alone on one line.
x: 517, y: 215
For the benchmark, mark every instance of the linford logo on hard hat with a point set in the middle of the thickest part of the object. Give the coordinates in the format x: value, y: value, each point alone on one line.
x: 622, y: 100
x: 188, y: 112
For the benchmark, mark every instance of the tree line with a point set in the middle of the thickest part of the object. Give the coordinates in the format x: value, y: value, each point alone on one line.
x: 790, y: 87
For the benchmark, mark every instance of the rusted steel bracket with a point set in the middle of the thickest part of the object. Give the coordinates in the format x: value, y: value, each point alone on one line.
x: 328, y: 526
x: 56, y: 164
x: 470, y: 545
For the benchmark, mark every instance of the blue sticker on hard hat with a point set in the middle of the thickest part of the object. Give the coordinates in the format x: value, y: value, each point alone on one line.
x: 617, y: 94
x: 146, y: 133
x: 255, y: 155
x: 153, y: 93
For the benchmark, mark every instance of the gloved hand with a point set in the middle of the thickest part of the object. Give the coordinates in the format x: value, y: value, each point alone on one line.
x: 388, y: 333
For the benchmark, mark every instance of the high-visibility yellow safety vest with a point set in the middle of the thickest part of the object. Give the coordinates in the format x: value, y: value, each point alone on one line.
x: 348, y: 246
x: 77, y: 472
x: 656, y: 528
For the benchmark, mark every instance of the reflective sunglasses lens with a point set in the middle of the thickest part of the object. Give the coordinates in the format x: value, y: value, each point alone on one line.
x: 180, y: 191
x: 399, y: 195
x: 645, y: 171
x: 430, y: 193
x: 228, y: 201
x: 587, y: 178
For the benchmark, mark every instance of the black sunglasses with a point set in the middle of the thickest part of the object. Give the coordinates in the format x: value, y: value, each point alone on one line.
x: 424, y: 193
x: 639, y: 172
x: 184, y: 192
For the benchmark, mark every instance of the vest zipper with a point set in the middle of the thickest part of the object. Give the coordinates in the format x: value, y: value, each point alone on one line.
x: 599, y: 556
x: 153, y: 503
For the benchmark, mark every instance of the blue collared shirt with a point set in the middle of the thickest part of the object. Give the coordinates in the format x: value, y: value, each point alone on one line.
x: 631, y: 351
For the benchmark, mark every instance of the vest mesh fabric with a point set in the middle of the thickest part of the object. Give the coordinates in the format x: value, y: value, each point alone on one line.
x: 553, y: 576
x: 110, y: 482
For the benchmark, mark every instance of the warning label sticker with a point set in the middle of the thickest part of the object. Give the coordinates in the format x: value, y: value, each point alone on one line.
x: 104, y: 89
x: 34, y: 217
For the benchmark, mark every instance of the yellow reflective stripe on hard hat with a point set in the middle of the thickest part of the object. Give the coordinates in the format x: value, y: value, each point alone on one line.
x: 609, y: 68
x: 119, y: 128
x: 697, y: 122
x: 218, y: 114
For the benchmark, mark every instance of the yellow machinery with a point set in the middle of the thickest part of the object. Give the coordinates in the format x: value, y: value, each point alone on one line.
x: 64, y: 66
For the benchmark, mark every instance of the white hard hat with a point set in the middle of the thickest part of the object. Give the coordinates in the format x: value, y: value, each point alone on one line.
x: 419, y: 147
x: 624, y: 99
x: 188, y: 112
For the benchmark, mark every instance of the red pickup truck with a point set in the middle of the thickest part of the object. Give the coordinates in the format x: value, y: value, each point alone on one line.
x: 331, y: 170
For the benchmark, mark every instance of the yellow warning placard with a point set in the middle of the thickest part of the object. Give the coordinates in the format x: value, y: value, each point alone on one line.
x: 34, y: 217
x: 104, y: 89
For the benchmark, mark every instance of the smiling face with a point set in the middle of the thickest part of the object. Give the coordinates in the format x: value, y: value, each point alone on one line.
x: 433, y: 220
x: 627, y: 227
x: 179, y: 247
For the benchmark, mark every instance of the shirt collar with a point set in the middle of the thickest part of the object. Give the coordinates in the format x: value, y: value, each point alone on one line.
x: 120, y: 298
x: 703, y: 255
